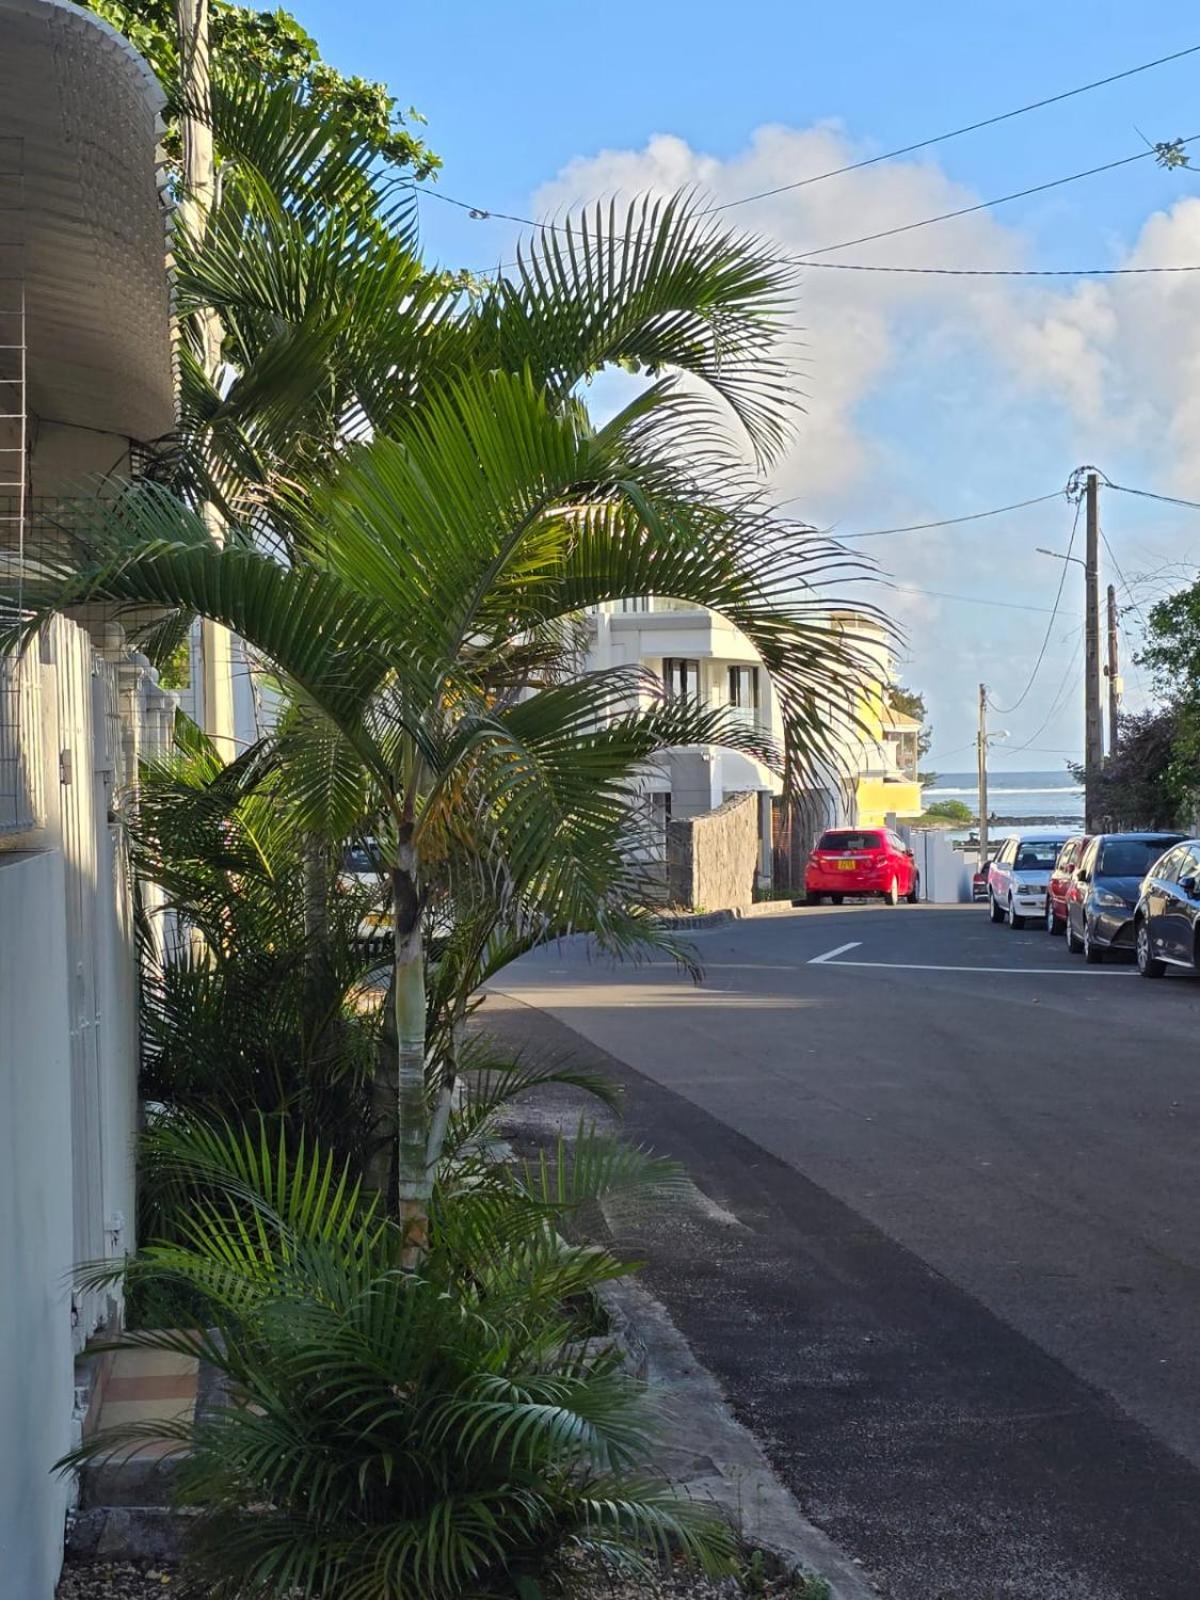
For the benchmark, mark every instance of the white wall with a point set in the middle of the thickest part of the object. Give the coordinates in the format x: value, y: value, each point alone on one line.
x: 36, y: 1226
x: 68, y: 1068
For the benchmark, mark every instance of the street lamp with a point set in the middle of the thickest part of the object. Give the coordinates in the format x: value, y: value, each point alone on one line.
x: 1057, y: 555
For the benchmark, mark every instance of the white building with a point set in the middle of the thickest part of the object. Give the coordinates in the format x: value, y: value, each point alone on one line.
x: 701, y: 656
x: 85, y: 380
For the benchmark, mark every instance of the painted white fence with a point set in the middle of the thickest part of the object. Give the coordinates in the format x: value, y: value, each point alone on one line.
x: 68, y: 1058
x: 945, y: 874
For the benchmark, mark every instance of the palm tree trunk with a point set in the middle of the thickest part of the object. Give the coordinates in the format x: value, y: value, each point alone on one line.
x: 398, y: 1092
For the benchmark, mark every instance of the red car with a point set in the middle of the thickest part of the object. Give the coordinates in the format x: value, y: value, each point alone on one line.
x: 869, y: 861
x: 1057, y: 889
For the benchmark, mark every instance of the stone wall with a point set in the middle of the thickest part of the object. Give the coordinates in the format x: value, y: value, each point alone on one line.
x: 711, y: 859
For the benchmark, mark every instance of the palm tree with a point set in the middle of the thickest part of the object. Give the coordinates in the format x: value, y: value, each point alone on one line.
x: 419, y: 593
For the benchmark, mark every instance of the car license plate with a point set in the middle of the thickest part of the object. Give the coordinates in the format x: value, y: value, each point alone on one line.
x: 847, y: 866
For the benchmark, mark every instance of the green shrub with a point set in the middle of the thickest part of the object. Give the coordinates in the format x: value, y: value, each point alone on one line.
x: 438, y: 1429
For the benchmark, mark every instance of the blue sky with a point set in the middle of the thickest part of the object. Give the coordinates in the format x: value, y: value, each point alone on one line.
x: 926, y: 398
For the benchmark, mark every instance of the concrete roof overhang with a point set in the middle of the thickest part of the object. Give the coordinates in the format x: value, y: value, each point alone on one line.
x: 82, y: 220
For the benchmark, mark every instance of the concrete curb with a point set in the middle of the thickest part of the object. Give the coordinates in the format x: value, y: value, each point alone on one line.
x: 711, y: 1456
x: 717, y: 919
x: 692, y: 920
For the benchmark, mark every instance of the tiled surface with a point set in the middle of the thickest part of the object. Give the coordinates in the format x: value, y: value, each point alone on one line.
x: 148, y: 1386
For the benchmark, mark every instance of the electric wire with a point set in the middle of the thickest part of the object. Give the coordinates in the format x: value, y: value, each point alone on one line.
x: 920, y: 527
x: 1005, y: 711
x: 1002, y: 272
x: 482, y: 213
x: 1147, y: 494
x: 1055, y: 704
x: 982, y: 205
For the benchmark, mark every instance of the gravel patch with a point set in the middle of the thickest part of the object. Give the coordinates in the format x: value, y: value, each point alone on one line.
x: 117, y: 1580
x: 126, y: 1580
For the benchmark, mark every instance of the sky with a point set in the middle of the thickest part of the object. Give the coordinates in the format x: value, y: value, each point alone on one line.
x: 925, y: 397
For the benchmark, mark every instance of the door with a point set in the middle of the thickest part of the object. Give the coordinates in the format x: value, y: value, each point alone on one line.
x: 1078, y: 887
x: 1160, y: 902
x: 1061, y: 875
x: 1181, y: 905
x: 1001, y: 874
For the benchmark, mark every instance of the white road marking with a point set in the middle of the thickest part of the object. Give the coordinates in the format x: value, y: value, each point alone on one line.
x: 855, y: 944
x: 919, y: 966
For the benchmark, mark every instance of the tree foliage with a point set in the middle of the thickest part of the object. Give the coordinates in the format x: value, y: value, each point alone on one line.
x: 273, y: 47
x: 381, y: 1431
x: 912, y: 704
x: 1139, y: 785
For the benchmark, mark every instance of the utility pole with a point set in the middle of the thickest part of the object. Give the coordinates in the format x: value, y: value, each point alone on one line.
x: 199, y: 192
x: 1093, y: 743
x: 1113, y: 671
x: 981, y: 741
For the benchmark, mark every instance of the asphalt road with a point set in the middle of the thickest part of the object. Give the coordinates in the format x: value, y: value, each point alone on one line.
x: 959, y: 1151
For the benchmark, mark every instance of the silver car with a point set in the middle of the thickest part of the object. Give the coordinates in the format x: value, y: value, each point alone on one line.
x: 1018, y: 877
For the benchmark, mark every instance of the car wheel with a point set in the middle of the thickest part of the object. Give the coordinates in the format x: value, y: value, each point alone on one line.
x: 1074, y: 943
x: 1092, y: 953
x: 1053, y: 925
x: 892, y: 893
x: 1148, y: 963
x: 813, y: 899
x: 836, y: 899
x: 994, y: 911
x: 914, y: 894
x: 1014, y: 921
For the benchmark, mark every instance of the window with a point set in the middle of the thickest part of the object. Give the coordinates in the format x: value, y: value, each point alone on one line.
x: 1066, y: 859
x: 1129, y: 858
x: 636, y: 603
x: 841, y: 839
x: 681, y: 678
x: 1170, y: 870
x: 1037, y: 855
x: 1007, y: 851
x: 743, y: 687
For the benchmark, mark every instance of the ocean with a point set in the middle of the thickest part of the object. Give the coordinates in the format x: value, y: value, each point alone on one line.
x: 1016, y: 796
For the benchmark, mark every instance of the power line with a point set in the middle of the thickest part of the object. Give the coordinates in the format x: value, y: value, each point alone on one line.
x: 967, y: 599
x: 1002, y: 272
x: 985, y: 205
x: 805, y: 257
x: 945, y: 522
x: 483, y: 213
x: 1147, y: 494
x: 1005, y: 711
x: 1055, y: 703
x: 957, y: 133
x: 1133, y: 600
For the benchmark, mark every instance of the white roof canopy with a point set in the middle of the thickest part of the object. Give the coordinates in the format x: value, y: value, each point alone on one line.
x: 82, y: 222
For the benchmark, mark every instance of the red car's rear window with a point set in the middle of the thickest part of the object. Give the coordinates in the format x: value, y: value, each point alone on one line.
x: 845, y: 839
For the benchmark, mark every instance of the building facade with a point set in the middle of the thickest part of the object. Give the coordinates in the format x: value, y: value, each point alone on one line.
x: 696, y: 654
x: 86, y: 384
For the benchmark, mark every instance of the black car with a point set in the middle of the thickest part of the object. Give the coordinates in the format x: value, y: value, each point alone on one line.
x: 1167, y: 919
x: 1103, y: 892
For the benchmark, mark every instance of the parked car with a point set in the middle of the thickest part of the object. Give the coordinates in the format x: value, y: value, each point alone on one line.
x: 1166, y: 921
x: 1017, y: 878
x: 1069, y: 858
x: 1104, y: 890
x: 871, y: 861
x: 362, y: 873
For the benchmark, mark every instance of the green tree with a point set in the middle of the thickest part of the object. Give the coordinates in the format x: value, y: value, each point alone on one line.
x: 950, y: 811
x: 1142, y: 783
x: 419, y: 595
x: 273, y: 47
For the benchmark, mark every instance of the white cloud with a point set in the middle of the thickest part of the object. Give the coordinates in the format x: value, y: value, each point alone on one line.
x: 847, y: 323
x: 1113, y: 364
